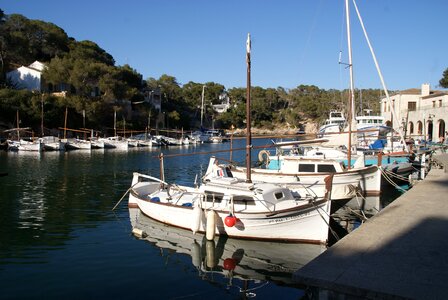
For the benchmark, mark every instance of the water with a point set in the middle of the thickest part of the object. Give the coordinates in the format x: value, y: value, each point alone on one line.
x: 59, y: 237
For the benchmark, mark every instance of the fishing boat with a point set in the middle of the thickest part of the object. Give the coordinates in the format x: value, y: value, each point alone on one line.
x: 21, y: 144
x: 52, y: 143
x: 229, y: 206
x: 335, y: 123
x: 224, y: 205
x: 300, y: 172
x: 232, y: 258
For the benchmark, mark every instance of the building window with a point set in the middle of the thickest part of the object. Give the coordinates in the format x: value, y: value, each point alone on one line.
x: 411, y: 128
x: 412, y: 106
x: 440, y: 102
x: 433, y: 103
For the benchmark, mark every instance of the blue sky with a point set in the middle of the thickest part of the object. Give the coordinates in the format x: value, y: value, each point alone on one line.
x: 293, y: 42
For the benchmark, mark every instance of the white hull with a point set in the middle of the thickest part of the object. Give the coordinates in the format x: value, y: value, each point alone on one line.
x: 260, y: 214
x: 22, y: 145
x: 55, y: 146
x: 76, y: 144
x: 115, y: 143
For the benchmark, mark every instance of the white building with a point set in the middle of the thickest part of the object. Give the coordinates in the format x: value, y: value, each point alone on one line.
x: 424, y: 112
x: 29, y: 77
x: 224, y: 104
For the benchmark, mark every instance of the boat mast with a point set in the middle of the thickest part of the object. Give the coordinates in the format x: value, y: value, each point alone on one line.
x: 202, y: 104
x: 351, y: 114
x: 42, y: 114
x: 65, y: 123
x: 248, y: 129
x: 115, y: 122
x: 18, y: 126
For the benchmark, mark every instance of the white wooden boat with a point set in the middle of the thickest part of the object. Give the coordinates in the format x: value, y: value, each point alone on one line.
x: 52, y: 143
x: 297, y: 172
x: 115, y: 142
x: 260, y: 211
x: 24, y: 145
x: 77, y: 144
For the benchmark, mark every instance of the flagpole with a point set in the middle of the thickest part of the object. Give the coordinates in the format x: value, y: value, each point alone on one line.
x: 248, y: 121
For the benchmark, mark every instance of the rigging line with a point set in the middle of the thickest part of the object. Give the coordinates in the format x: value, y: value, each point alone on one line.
x: 308, y: 40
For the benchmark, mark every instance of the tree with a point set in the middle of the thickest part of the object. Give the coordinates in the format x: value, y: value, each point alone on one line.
x: 444, y: 80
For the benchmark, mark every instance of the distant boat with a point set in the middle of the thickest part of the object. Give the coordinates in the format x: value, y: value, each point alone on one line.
x: 52, y: 143
x: 21, y: 144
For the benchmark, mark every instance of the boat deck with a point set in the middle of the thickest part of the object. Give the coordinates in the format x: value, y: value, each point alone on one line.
x: 399, y: 253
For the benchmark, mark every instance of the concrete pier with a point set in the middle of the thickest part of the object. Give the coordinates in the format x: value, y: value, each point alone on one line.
x: 402, y: 252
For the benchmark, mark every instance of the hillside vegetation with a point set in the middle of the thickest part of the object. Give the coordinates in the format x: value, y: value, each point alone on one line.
x: 97, y: 88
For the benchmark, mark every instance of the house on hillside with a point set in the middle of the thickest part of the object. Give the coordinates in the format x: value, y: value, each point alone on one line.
x: 28, y: 77
x: 224, y: 104
x: 421, y: 113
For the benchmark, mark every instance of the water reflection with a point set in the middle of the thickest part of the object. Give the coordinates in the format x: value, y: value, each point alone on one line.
x: 230, y: 262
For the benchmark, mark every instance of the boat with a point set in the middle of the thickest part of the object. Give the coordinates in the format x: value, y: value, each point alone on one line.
x: 227, y: 206
x: 232, y: 207
x: 334, y: 124
x: 77, y: 144
x: 234, y: 259
x: 25, y: 145
x: 300, y: 172
x: 21, y: 144
x: 115, y: 142
x: 52, y: 143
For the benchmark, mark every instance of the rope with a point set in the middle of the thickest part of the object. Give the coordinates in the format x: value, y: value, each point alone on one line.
x: 129, y: 189
x: 335, y: 235
x: 388, y: 179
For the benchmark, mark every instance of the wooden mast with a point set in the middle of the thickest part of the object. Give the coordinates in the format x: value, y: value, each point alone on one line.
x: 65, y: 123
x: 248, y: 121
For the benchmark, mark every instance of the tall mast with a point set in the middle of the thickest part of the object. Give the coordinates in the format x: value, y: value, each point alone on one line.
x: 248, y: 121
x: 42, y: 114
x: 115, y: 122
x: 65, y: 123
x: 18, y: 126
x: 202, y: 104
x: 351, y: 111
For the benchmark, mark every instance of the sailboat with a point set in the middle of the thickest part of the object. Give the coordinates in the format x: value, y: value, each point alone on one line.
x: 75, y: 143
x: 115, y: 141
x: 225, y: 205
x: 22, y: 144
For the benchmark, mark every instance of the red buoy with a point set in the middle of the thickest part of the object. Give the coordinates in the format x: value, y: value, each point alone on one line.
x: 230, y: 221
x: 229, y: 264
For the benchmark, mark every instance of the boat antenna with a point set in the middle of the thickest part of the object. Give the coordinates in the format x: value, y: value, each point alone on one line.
x: 248, y: 128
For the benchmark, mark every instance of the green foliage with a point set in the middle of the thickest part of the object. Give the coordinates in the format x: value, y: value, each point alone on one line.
x: 98, y: 87
x: 444, y: 80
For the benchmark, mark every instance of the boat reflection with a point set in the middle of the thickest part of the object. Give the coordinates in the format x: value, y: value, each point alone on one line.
x: 244, y: 260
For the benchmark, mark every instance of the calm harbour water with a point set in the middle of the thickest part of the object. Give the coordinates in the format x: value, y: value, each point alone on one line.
x: 59, y: 237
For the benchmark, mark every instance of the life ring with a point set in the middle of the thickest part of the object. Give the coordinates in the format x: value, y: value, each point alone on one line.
x: 263, y: 157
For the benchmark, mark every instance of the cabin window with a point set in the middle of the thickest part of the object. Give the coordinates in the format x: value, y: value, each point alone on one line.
x: 217, y: 196
x: 279, y: 195
x: 326, y: 168
x: 306, y: 167
x: 245, y: 200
